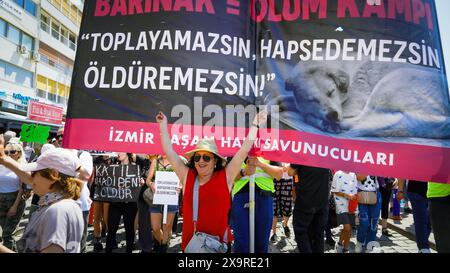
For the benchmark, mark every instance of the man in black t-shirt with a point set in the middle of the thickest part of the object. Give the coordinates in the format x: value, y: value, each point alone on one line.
x: 311, y: 207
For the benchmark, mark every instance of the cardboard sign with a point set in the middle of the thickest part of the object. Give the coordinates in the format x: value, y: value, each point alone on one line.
x: 117, y: 183
x: 166, y: 184
x: 34, y: 133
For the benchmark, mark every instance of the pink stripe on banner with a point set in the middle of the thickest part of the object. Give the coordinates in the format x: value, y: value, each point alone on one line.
x: 408, y: 161
x: 233, y: 11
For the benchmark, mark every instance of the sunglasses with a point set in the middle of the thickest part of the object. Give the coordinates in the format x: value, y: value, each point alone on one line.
x: 206, y: 158
x: 59, y: 136
x: 12, y: 152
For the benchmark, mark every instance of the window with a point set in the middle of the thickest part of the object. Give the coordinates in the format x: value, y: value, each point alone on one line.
x: 45, y: 22
x: 2, y: 28
x: 51, y: 97
x: 51, y: 87
x: 15, y: 74
x: 19, y: 2
x: 28, y: 42
x: 20, y: 107
x: 80, y: 14
x: 55, y: 29
x: 41, y: 83
x: 2, y: 69
x: 64, y: 35
x: 41, y: 93
x: 73, y: 13
x: 57, y: 4
x: 72, y: 40
x: 65, y: 8
x: 60, y: 99
x: 30, y: 6
x: 13, y: 34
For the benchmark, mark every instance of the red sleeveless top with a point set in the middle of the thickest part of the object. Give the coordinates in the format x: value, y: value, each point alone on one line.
x: 213, y: 206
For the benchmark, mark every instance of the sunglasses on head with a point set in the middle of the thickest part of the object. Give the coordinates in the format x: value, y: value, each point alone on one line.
x: 206, y: 158
x: 12, y: 152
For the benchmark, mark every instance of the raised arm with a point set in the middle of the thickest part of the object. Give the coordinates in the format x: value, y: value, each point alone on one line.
x: 234, y: 166
x: 274, y: 171
x: 177, y: 164
x: 151, y: 172
x: 11, y: 164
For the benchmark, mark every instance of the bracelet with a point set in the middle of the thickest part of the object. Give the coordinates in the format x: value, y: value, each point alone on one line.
x: 256, y: 125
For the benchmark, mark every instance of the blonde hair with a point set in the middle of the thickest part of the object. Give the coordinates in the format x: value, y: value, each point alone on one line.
x: 17, y: 147
x: 68, y: 185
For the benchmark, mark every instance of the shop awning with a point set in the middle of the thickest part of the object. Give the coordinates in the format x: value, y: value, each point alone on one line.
x: 16, y: 121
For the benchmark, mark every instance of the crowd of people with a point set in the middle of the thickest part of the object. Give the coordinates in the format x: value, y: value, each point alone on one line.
x: 214, y: 199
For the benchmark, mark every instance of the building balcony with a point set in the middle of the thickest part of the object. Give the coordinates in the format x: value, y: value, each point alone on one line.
x: 57, y: 41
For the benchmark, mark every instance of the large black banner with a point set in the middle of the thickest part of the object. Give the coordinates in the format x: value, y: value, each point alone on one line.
x: 358, y: 85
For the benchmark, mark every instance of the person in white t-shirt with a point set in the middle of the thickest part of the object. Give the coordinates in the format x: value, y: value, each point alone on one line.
x: 344, y: 188
x: 12, y: 205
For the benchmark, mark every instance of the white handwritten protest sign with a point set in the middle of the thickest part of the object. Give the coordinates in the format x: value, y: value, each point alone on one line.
x: 117, y: 183
x: 166, y: 184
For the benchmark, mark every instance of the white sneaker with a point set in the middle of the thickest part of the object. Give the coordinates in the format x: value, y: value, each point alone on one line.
x: 375, y: 250
x: 358, y: 247
x: 425, y: 250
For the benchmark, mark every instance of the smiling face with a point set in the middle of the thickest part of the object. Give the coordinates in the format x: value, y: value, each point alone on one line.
x: 204, y: 167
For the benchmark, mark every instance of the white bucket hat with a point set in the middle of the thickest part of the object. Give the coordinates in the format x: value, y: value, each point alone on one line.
x: 59, y: 159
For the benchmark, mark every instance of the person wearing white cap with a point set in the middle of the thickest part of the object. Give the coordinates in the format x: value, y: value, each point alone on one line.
x: 85, y: 200
x: 214, y: 182
x: 57, y: 225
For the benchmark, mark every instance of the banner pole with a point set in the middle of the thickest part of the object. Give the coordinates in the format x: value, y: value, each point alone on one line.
x: 251, y: 207
x: 165, y: 214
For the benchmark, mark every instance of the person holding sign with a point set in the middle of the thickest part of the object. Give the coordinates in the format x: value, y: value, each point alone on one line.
x: 127, y: 209
x: 57, y: 226
x: 100, y: 207
x: 216, y: 181
x: 264, y: 174
x: 160, y: 164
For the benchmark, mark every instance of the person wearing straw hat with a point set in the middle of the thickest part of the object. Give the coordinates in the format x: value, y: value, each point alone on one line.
x: 216, y: 181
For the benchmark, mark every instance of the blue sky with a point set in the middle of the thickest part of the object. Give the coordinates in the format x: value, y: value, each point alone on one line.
x: 443, y: 8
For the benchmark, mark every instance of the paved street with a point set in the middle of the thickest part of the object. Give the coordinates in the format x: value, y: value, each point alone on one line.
x: 402, y: 240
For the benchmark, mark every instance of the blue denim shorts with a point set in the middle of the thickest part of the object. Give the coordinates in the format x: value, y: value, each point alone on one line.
x: 160, y: 209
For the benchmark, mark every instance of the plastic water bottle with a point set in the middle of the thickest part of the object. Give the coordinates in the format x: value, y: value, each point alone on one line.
x: 402, y: 203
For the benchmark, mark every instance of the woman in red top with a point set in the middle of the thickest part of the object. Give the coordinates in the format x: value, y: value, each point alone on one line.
x: 216, y: 181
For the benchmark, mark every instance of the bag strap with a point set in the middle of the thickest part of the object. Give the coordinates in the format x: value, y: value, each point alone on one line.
x: 195, y: 209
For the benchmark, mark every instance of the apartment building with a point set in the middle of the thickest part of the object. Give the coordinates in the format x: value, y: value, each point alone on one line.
x: 37, y: 52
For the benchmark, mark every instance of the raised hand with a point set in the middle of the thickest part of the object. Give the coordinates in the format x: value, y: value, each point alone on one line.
x: 261, y: 118
x: 161, y: 118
